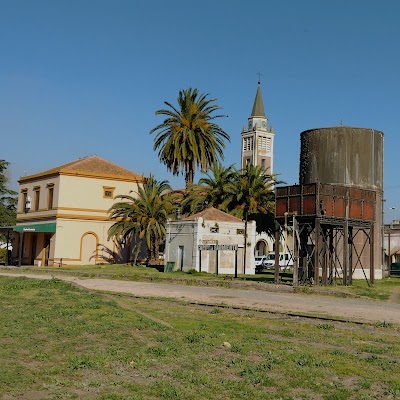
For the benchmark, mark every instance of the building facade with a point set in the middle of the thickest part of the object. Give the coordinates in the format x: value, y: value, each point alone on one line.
x: 209, y: 229
x: 62, y: 216
x: 391, y: 243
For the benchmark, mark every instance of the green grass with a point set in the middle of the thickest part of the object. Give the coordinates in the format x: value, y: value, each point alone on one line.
x: 382, y: 289
x: 60, y: 342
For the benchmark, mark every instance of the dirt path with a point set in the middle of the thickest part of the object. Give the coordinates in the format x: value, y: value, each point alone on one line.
x: 355, y: 310
x: 395, y: 296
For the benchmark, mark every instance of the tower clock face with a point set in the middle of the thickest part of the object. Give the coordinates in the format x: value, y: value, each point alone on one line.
x: 250, y: 124
x: 264, y: 125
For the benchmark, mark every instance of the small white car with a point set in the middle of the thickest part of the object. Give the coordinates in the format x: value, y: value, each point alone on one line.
x: 285, y: 261
x: 260, y: 263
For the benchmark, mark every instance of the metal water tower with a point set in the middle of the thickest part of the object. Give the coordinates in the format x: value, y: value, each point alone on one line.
x: 338, y: 203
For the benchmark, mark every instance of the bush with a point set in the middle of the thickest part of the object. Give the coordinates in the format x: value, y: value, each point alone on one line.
x: 191, y: 272
x: 3, y: 253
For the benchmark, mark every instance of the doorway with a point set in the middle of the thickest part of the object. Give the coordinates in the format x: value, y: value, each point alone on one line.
x: 47, y: 239
x: 89, y: 249
x: 261, y: 249
x: 180, y: 257
x: 33, y: 249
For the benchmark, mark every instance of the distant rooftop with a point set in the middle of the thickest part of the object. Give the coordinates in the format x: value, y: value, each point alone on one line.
x: 212, y: 214
x: 91, y: 165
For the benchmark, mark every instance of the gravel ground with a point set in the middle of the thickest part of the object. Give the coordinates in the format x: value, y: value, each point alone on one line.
x: 329, y: 307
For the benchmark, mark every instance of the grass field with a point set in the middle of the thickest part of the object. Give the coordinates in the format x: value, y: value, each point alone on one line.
x: 60, y: 342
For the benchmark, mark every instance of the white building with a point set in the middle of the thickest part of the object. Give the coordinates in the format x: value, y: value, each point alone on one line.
x: 391, y: 243
x: 210, y: 227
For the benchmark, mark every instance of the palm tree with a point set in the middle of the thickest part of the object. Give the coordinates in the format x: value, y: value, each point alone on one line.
x: 247, y: 194
x: 252, y: 197
x: 211, y: 190
x: 145, y: 216
x: 188, y: 137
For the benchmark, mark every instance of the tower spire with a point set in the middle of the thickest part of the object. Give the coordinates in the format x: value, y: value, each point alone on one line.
x: 258, y: 107
x: 258, y: 139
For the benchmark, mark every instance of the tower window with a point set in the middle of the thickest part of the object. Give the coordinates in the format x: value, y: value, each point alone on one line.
x: 263, y: 163
x: 269, y: 144
x: 262, y: 143
x: 248, y: 144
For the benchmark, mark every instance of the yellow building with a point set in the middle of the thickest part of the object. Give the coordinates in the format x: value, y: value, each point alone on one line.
x: 62, y: 213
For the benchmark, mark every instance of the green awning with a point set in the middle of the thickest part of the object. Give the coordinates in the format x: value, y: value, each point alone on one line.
x: 50, y: 227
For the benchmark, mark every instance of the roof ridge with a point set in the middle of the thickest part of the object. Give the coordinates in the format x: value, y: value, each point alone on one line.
x: 213, y: 214
x: 89, y: 164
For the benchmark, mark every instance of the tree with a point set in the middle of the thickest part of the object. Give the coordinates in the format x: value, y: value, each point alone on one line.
x: 8, y: 199
x: 247, y: 194
x: 210, y: 191
x: 253, y: 197
x: 145, y: 216
x: 188, y: 137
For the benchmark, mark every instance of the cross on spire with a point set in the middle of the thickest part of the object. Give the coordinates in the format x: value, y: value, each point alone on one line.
x: 259, y: 77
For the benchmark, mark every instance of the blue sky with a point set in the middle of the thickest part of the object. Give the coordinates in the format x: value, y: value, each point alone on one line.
x: 85, y: 77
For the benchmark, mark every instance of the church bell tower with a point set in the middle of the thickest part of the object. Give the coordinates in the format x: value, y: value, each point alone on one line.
x: 258, y: 138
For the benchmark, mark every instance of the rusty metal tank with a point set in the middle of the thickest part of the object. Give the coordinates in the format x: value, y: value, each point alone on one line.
x: 342, y: 155
x: 348, y: 156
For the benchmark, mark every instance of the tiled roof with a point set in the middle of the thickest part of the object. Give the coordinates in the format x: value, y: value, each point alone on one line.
x: 212, y: 214
x: 91, y: 165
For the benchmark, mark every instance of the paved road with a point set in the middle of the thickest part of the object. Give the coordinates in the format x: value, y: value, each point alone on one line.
x: 356, y: 310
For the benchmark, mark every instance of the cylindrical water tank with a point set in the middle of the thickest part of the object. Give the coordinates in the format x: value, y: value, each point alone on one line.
x: 348, y: 156
x: 342, y: 155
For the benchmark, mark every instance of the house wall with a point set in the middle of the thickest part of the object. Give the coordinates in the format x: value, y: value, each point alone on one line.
x: 181, y: 235
x: 391, y: 242
x: 83, y: 195
x: 44, y: 185
x: 82, y: 242
x: 80, y: 211
x: 184, y: 237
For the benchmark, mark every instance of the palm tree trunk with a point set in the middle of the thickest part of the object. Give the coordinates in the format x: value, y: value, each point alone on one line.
x: 189, y: 174
x: 245, y: 244
x: 152, y: 250
x: 156, y: 247
x: 137, y: 249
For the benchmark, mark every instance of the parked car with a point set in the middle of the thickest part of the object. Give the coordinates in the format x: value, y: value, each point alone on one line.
x: 260, y: 263
x: 285, y: 261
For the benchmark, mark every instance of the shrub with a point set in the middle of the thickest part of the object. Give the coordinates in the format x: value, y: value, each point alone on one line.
x: 3, y: 253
